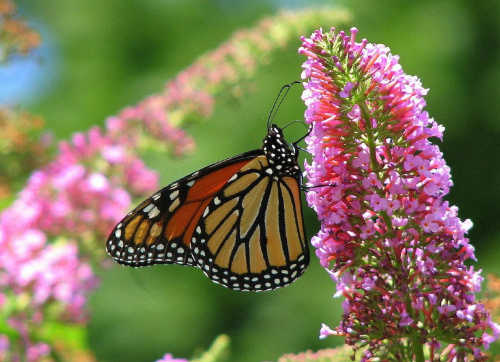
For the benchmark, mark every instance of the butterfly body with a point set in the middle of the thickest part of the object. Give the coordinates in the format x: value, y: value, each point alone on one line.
x: 239, y: 220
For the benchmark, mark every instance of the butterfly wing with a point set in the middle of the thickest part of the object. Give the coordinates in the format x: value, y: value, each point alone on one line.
x: 251, y: 236
x: 239, y: 220
x: 160, y: 229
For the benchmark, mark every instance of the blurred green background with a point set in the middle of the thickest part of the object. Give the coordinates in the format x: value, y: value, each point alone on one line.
x: 105, y: 55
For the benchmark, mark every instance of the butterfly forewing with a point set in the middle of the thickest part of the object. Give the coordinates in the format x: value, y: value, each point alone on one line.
x: 144, y: 237
x: 160, y: 229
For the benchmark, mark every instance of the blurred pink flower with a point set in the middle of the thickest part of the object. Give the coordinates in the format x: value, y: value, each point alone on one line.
x: 170, y: 358
x: 61, y: 219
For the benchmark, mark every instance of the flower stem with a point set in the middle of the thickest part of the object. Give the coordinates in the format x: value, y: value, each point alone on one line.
x: 365, y: 112
x: 418, y: 348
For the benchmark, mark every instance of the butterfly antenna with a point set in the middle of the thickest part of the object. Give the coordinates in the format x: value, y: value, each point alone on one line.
x: 309, y: 128
x: 277, y: 103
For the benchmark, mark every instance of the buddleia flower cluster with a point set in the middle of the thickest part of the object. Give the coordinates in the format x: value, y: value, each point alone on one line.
x: 393, y: 245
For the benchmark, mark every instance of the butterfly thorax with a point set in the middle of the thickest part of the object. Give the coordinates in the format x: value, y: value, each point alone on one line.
x: 281, y: 157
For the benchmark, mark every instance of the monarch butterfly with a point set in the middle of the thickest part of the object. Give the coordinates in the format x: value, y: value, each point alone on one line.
x: 238, y: 220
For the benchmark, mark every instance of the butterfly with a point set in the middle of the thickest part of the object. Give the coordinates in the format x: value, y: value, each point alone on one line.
x: 239, y: 220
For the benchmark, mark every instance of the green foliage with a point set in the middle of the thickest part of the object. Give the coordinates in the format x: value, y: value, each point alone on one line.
x: 218, y: 351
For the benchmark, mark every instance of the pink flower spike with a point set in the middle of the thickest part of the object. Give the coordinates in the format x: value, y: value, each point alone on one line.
x: 394, y: 246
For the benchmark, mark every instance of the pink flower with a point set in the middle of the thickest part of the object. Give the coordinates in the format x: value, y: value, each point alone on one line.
x: 325, y: 331
x: 170, y: 358
x: 446, y: 309
x: 377, y: 203
x: 395, y: 248
x: 372, y: 181
x: 405, y: 319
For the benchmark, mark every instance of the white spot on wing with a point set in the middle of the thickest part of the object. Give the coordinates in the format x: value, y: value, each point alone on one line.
x: 154, y: 212
x: 174, y: 194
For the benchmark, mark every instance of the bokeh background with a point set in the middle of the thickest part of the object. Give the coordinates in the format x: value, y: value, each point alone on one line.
x: 100, y: 56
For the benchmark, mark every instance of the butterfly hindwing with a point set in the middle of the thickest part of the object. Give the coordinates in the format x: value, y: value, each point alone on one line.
x: 251, y: 235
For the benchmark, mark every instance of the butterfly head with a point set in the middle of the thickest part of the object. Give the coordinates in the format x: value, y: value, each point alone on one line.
x: 282, y: 158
